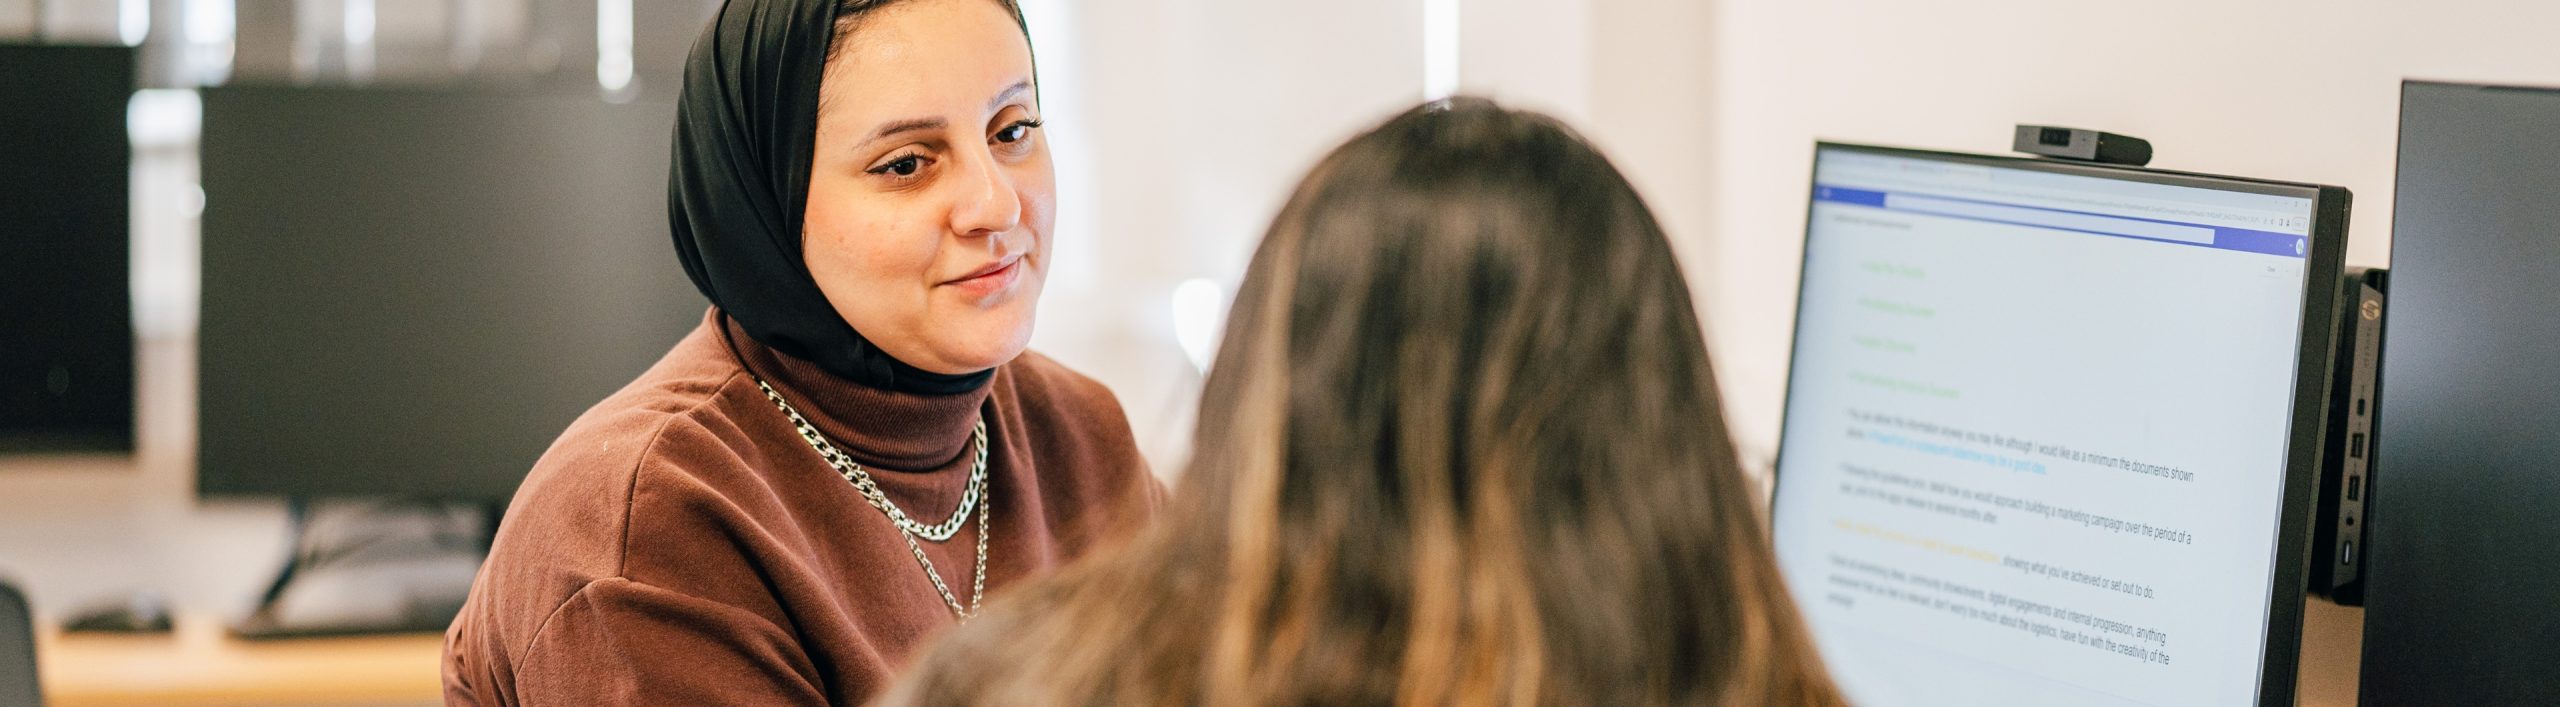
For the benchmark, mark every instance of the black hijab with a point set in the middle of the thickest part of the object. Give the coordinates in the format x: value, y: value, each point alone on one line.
x: 746, y: 131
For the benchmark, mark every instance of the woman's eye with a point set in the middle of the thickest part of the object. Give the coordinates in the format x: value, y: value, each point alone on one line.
x: 904, y: 167
x: 1016, y: 132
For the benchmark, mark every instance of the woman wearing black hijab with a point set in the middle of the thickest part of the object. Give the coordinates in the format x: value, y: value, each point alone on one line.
x: 854, y: 447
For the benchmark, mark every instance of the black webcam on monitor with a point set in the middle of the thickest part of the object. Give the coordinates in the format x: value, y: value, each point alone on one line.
x: 2082, y: 145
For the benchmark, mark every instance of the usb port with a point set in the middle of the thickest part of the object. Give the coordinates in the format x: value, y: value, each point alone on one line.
x: 2355, y: 446
x: 2354, y: 484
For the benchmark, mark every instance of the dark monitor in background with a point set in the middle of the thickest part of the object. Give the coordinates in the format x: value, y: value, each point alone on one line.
x: 410, y: 293
x: 66, y: 302
x: 2465, y: 542
x: 2052, y: 428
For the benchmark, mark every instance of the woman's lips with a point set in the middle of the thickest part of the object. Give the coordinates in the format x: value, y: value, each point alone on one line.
x: 995, y: 278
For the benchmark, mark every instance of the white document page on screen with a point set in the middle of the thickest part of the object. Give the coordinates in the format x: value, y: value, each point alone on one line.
x: 2035, y: 434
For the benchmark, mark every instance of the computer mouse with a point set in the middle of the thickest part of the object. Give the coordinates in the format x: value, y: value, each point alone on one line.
x: 139, y: 612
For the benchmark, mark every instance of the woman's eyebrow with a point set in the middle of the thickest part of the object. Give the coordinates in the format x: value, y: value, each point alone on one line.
x: 904, y: 126
x: 1008, y: 93
x: 924, y: 124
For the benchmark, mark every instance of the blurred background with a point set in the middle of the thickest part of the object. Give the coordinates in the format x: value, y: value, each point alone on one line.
x: 293, y: 167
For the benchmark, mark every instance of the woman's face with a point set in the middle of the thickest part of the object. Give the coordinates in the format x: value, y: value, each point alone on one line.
x: 931, y: 195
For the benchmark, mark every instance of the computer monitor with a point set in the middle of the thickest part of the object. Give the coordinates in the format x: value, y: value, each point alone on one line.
x: 411, y: 293
x: 66, y: 325
x: 2052, y: 428
x: 2465, y: 550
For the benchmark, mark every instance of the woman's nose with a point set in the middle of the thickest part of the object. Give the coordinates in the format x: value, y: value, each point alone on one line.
x: 987, y: 203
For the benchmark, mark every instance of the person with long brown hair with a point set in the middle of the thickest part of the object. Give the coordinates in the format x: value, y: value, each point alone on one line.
x: 1461, y: 446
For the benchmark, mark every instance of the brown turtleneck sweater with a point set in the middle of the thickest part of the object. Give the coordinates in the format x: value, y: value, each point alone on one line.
x: 681, y: 544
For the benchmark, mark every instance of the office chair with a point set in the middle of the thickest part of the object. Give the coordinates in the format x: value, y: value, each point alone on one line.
x: 17, y: 651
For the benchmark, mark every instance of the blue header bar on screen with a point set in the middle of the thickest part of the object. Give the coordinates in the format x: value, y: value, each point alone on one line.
x: 2085, y: 222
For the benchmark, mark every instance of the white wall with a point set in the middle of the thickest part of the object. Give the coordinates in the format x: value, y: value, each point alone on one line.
x: 1179, y: 128
x: 2303, y: 90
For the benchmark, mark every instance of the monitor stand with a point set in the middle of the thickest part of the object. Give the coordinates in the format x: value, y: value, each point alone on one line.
x: 399, y: 567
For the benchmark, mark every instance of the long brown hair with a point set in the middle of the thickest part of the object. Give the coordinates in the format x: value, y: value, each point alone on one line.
x: 1462, y: 446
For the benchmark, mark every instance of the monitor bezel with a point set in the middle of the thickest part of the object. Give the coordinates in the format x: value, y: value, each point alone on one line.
x: 2324, y: 264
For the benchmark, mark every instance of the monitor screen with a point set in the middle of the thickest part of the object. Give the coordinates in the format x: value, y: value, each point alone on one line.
x: 2040, y: 437
x: 2465, y: 550
x: 66, y: 328
x: 411, y: 293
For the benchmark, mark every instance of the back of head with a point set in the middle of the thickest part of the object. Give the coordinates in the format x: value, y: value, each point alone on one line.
x: 1461, y: 445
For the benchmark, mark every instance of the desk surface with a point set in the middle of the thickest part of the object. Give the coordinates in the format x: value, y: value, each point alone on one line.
x: 199, y: 664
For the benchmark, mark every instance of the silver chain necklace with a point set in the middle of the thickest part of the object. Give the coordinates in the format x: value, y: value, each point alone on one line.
x: 974, y: 497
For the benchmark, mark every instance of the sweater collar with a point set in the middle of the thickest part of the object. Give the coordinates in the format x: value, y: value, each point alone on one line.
x: 882, y: 429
